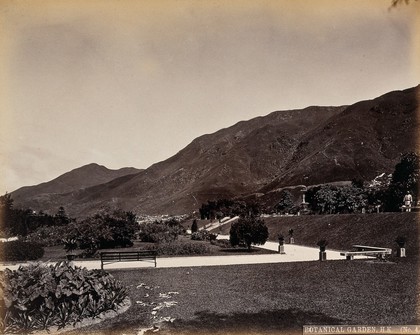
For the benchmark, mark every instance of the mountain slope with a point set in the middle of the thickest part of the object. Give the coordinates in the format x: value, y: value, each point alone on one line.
x: 233, y: 161
x: 285, y: 148
x: 77, y: 179
x: 363, y: 141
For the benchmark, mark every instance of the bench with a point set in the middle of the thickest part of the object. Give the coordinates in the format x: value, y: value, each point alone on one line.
x: 108, y: 257
x: 364, y: 250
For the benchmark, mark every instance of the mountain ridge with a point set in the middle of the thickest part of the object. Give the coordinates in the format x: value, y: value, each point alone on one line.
x: 313, y: 145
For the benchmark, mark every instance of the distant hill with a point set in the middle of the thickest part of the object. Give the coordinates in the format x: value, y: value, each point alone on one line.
x: 285, y: 148
x: 77, y: 179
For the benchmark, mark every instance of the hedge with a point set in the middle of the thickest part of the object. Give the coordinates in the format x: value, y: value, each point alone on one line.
x: 20, y: 251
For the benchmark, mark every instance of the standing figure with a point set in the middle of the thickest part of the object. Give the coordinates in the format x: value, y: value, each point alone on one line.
x: 408, y: 200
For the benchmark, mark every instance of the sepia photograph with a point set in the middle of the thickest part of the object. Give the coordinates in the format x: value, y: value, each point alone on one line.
x: 197, y: 167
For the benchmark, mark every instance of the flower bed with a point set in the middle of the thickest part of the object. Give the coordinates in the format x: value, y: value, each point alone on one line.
x: 38, y: 296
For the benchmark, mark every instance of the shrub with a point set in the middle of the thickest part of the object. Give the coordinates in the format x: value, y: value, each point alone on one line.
x: 20, y: 251
x: 247, y: 231
x: 104, y: 230
x: 201, y: 235
x: 322, y: 244
x: 182, y: 248
x: 159, y: 231
x: 194, y: 227
x: 49, y: 236
x: 401, y: 241
x: 40, y: 296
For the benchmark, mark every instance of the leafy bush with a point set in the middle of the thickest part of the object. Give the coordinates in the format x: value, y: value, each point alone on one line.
x: 227, y: 207
x: 20, y: 251
x: 285, y: 202
x: 203, y: 235
x: 160, y: 231
x: 182, y: 248
x: 247, y: 231
x: 194, y: 227
x: 103, y: 231
x: 401, y: 241
x: 322, y: 244
x: 39, y: 296
x: 329, y: 199
x: 49, y: 236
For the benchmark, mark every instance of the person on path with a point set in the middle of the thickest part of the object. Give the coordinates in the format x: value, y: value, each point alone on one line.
x: 408, y: 200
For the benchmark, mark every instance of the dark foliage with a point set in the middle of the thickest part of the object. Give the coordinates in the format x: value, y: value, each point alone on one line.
x: 37, y: 297
x: 23, y: 222
x: 20, y: 251
x: 194, y: 226
x: 160, y: 231
x: 182, y: 248
x: 405, y: 178
x: 227, y: 207
x: 247, y: 231
x: 328, y: 199
x: 285, y: 203
x: 322, y: 244
x: 109, y: 230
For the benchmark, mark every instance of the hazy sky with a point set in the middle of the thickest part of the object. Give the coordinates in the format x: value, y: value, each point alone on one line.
x: 130, y: 83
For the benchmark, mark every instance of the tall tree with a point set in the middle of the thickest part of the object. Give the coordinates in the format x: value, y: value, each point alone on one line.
x: 405, y: 178
x: 285, y: 201
x: 6, y: 206
x: 248, y: 230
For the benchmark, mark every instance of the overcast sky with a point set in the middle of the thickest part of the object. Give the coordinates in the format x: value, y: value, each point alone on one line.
x: 130, y: 83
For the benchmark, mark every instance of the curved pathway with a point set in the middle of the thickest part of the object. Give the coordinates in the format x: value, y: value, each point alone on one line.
x: 293, y: 253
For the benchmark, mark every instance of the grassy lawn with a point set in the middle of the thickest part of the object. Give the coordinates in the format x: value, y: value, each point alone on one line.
x: 267, y: 298
x: 281, y: 298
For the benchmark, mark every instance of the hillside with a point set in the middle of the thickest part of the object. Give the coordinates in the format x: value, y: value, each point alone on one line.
x: 363, y: 141
x: 78, y: 179
x: 285, y: 148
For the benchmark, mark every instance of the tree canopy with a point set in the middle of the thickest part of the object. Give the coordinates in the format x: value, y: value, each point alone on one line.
x: 405, y: 178
x: 285, y: 201
x: 248, y: 230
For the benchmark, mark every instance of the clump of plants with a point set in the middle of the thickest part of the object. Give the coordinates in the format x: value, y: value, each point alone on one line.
x: 20, y: 251
x: 103, y: 230
x: 248, y: 230
x: 37, y: 297
x: 401, y: 241
x: 160, y: 231
x: 182, y: 248
x: 322, y: 244
x: 49, y: 236
x: 203, y: 235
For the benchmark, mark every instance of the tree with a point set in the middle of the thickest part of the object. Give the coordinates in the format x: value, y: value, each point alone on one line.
x: 109, y: 230
x: 248, y: 230
x: 405, y: 178
x: 160, y: 231
x: 61, y: 216
x: 194, y: 227
x: 285, y: 203
x: 326, y: 199
x: 6, y: 214
x: 350, y: 199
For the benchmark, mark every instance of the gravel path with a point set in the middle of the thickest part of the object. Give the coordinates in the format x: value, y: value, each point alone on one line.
x: 293, y: 253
